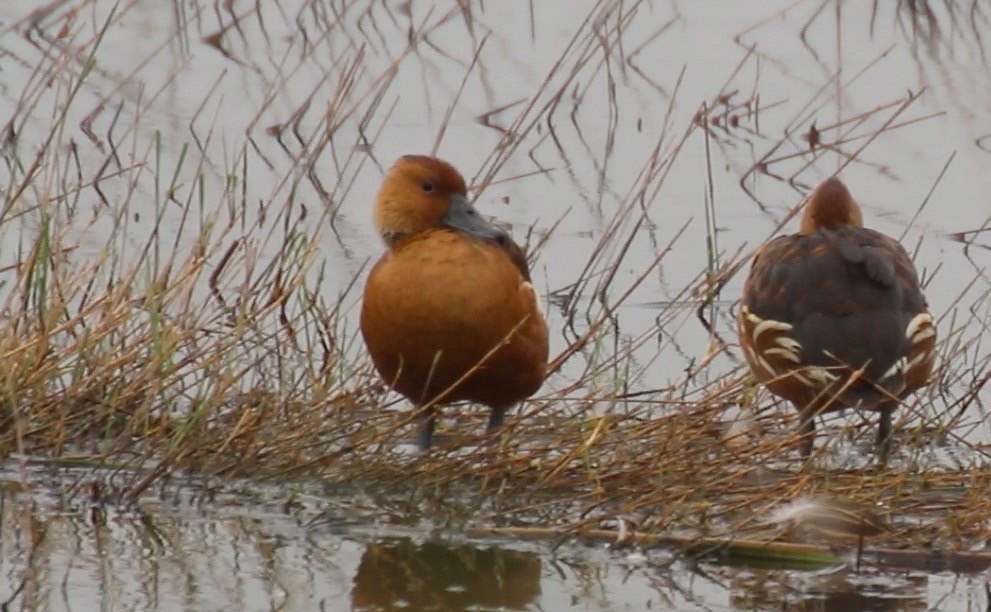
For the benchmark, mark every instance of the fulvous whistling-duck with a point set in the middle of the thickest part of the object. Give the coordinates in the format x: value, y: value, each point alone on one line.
x: 449, y: 312
x: 834, y: 316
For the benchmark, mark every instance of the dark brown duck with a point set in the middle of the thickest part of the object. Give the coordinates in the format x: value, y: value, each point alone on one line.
x: 834, y: 316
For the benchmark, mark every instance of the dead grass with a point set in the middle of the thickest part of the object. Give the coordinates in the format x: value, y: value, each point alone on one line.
x: 163, y: 315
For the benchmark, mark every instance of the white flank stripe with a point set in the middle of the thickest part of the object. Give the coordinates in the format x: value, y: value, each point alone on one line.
x: 821, y: 375
x: 918, y: 359
x: 787, y: 342
x: 923, y: 334
x: 769, y: 325
x: 784, y: 354
x: 899, y: 367
x: 923, y: 319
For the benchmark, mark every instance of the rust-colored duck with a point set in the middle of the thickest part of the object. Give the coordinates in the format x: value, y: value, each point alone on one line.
x: 449, y: 312
x: 834, y: 316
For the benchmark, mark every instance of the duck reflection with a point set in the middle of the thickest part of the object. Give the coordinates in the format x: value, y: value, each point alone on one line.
x: 399, y: 574
x: 841, y: 590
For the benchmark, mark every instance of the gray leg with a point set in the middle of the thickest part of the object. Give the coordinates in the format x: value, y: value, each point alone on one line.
x: 884, y: 434
x: 426, y: 436
x: 496, y: 420
x: 807, y: 429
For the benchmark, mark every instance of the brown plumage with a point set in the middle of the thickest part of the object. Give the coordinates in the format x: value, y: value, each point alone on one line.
x: 449, y: 312
x: 834, y: 316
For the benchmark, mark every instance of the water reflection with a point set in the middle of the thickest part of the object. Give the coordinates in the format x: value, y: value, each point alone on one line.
x: 400, y: 574
x: 246, y: 551
x: 838, y: 590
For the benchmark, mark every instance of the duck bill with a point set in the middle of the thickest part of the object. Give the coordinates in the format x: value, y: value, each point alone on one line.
x: 463, y: 217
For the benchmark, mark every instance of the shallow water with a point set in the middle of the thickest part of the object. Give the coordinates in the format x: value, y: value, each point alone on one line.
x: 352, y: 94
x: 262, y: 548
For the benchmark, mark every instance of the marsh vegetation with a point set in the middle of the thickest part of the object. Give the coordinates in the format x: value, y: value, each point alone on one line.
x: 187, y: 414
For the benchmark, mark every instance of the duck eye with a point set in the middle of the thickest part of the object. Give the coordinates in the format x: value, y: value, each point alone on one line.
x: 427, y: 186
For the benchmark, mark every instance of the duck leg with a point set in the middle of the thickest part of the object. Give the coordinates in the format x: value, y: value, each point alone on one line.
x: 807, y: 430
x: 496, y: 419
x: 884, y: 433
x: 425, y: 437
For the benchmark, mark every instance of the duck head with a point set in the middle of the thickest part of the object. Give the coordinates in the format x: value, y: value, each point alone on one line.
x: 421, y: 193
x: 830, y: 207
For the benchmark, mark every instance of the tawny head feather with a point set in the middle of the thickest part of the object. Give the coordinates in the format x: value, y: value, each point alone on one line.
x: 415, y: 196
x: 830, y: 207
